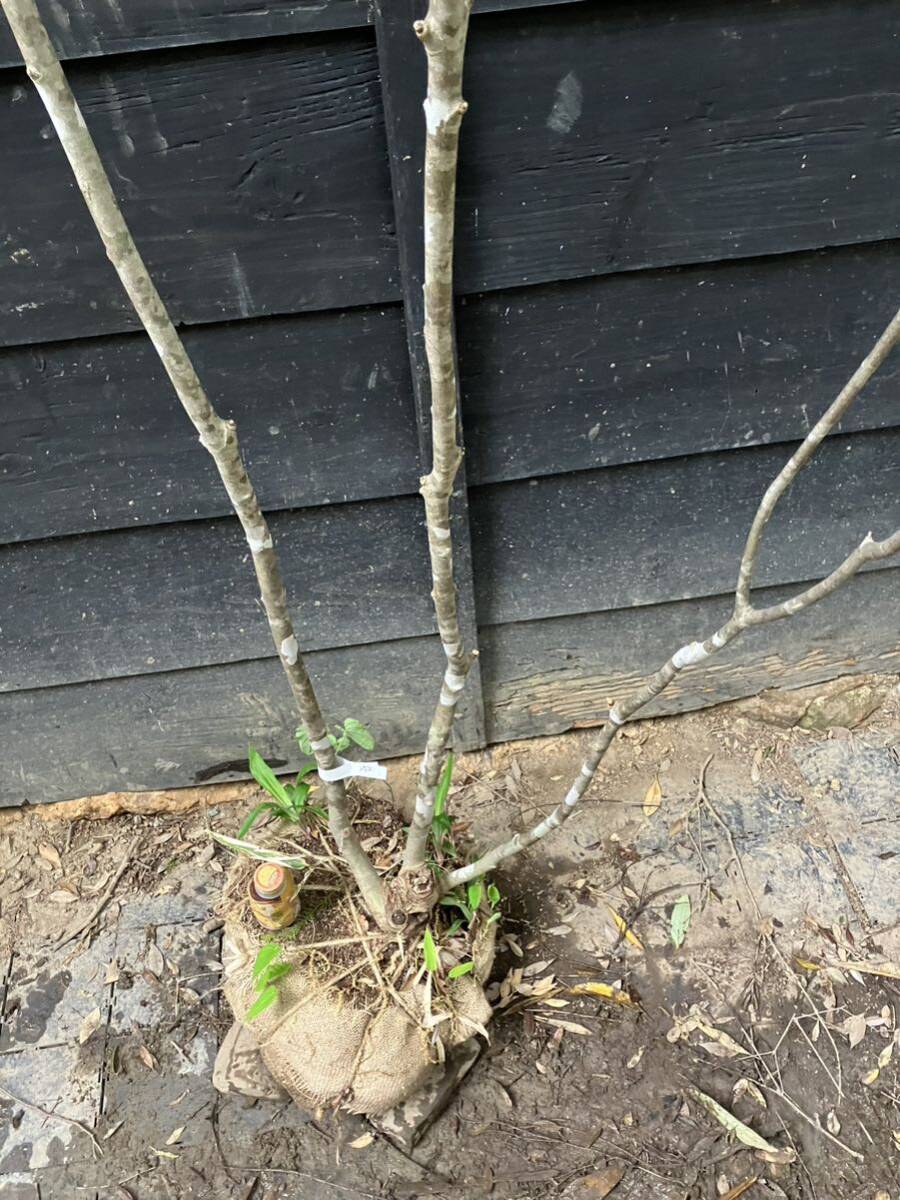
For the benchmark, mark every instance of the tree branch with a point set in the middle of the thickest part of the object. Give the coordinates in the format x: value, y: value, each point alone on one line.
x: 743, y: 617
x: 219, y: 437
x: 443, y: 35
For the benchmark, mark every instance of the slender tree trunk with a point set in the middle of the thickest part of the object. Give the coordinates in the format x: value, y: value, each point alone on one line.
x: 443, y: 35
x: 743, y: 617
x: 218, y: 436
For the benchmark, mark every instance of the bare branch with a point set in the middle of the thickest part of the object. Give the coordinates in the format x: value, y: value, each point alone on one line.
x: 443, y: 34
x: 804, y: 453
x: 744, y: 616
x: 219, y: 437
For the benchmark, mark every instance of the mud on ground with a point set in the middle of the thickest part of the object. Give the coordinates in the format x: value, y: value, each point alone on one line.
x: 788, y: 854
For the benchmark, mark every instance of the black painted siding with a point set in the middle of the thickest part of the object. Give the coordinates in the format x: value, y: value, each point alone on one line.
x: 675, y: 242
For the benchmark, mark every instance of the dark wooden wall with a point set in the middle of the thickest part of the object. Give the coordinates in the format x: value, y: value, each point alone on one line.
x: 678, y: 232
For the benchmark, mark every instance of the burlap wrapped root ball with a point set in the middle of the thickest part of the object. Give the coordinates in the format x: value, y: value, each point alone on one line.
x: 325, y: 1047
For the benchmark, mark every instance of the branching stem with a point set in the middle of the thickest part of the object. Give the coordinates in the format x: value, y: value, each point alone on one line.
x: 743, y: 617
x: 218, y: 436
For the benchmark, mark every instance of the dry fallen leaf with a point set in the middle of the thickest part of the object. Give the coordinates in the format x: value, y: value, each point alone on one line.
x: 50, y: 854
x: 741, y: 1131
x: 112, y: 972
x: 739, y: 1188
x: 832, y: 1124
x: 635, y: 1059
x: 163, y: 1153
x: 603, y: 1182
x: 147, y: 1058
x: 746, y: 1087
x: 89, y: 1025
x: 885, y: 1056
x: 870, y: 1076
x: 154, y: 959
x: 652, y: 798
x: 63, y: 896
x: 605, y: 991
x: 567, y: 1026
x: 364, y: 1140
x: 855, y: 1028
x: 175, y: 1135
x: 622, y: 927
x: 113, y: 1129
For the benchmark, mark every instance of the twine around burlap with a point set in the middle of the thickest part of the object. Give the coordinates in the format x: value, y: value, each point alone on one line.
x: 325, y: 1049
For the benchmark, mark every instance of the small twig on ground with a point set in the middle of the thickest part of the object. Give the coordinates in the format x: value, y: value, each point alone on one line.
x: 340, y: 1187
x: 54, y: 1116
x: 98, y: 908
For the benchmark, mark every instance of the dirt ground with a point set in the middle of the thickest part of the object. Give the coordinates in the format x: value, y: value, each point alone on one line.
x: 771, y: 849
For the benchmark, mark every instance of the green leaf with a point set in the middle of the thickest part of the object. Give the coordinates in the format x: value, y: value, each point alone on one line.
x: 455, y: 926
x: 266, y: 778
x: 357, y: 732
x: 276, y: 971
x: 680, y: 921
x: 460, y: 969
x: 303, y: 740
x: 429, y: 950
x: 475, y: 893
x: 240, y: 846
x: 254, y: 815
x: 443, y: 787
x: 264, y: 959
x: 305, y: 769
x: 454, y: 901
x: 264, y: 1000
x: 493, y: 895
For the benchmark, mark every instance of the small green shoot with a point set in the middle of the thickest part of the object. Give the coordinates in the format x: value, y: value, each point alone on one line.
x: 267, y: 970
x: 680, y: 921
x: 350, y: 732
x: 470, y: 903
x: 289, y: 801
x: 441, y: 821
x: 430, y: 953
x: 460, y: 969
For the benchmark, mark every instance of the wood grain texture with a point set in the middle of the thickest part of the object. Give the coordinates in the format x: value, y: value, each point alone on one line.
x: 92, y: 437
x: 84, y: 30
x: 173, y: 596
x: 544, y: 677
x: 671, y: 530
x: 596, y: 372
x: 655, y: 134
x: 253, y: 176
x: 180, y: 727
x: 171, y: 729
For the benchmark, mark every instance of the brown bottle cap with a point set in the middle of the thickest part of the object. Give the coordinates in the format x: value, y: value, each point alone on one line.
x: 268, y: 880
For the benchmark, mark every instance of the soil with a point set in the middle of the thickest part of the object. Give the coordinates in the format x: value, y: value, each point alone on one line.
x: 784, y: 841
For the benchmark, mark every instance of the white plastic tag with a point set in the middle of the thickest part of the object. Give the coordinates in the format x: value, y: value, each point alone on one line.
x: 347, y: 769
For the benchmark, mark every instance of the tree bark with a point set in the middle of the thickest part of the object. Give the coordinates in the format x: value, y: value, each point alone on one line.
x: 743, y: 617
x: 443, y: 35
x: 218, y: 436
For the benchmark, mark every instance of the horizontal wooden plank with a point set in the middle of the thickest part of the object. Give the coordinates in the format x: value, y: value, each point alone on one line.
x: 655, y: 134
x: 173, y: 596
x: 544, y: 677
x: 254, y: 178
x: 595, y: 372
x: 183, y: 727
x: 124, y: 26
x: 128, y: 26
x: 671, y: 530
x: 92, y: 436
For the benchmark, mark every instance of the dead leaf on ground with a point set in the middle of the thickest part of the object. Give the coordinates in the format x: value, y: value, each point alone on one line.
x: 112, y: 972
x: 832, y: 1124
x: 652, y: 797
x: 147, y: 1059
x: 63, y: 895
x: 855, y: 1028
x: 622, y: 927
x: 741, y: 1131
x: 603, y: 1182
x: 565, y: 1026
x: 89, y: 1025
x: 175, y: 1135
x: 870, y: 1076
x: 50, y: 854
x: 746, y: 1087
x: 605, y: 991
x: 361, y: 1142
